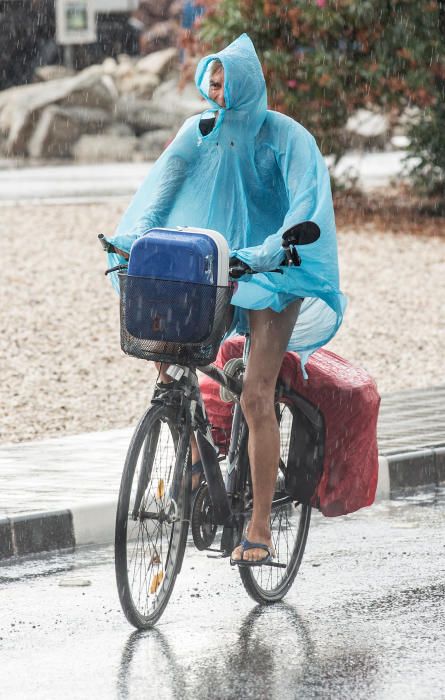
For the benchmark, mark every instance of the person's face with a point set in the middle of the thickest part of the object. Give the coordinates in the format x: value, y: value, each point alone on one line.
x: 216, y: 87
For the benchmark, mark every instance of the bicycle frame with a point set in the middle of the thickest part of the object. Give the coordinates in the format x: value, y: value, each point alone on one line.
x: 218, y: 490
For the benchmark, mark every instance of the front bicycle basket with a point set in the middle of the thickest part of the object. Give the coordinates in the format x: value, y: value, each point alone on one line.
x: 172, y: 321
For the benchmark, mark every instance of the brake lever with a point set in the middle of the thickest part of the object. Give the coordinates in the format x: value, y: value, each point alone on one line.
x: 117, y: 268
x: 292, y: 257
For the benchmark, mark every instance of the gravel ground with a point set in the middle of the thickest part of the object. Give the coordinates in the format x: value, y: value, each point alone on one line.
x: 62, y: 368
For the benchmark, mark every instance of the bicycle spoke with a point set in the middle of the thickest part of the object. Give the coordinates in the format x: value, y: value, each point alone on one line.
x: 142, y: 584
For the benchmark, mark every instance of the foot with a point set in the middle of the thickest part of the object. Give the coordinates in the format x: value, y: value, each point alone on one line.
x: 254, y: 534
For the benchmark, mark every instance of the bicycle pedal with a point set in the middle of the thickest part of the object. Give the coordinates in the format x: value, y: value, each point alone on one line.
x: 276, y: 564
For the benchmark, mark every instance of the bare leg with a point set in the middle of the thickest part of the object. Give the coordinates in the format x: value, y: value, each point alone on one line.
x: 270, y: 333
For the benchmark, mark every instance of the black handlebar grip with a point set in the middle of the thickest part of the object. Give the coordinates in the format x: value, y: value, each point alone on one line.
x: 237, y: 268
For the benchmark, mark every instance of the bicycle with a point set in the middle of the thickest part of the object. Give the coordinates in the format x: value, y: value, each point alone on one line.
x: 154, y: 506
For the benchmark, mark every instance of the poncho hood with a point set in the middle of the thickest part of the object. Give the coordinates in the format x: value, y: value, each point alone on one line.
x: 244, y: 85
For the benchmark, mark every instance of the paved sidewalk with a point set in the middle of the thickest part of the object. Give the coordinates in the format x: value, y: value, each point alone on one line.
x: 61, y: 472
x: 411, y: 421
x: 76, y: 478
x: 411, y: 436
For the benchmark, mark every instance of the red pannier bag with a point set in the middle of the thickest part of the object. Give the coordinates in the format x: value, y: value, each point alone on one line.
x: 339, y: 452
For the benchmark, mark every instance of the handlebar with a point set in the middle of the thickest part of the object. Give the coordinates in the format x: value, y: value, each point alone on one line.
x: 301, y: 234
x: 107, y: 247
x: 110, y: 248
x: 238, y: 268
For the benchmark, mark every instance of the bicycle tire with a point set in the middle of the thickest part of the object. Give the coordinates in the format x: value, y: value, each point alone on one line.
x: 265, y: 584
x: 149, y: 552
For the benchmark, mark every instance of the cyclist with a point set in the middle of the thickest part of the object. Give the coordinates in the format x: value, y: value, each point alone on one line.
x: 248, y: 172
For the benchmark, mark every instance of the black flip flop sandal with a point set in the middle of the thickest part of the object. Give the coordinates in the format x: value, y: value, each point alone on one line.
x: 265, y: 561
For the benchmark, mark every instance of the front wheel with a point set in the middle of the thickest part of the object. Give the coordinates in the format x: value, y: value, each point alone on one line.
x: 289, y: 525
x: 152, y: 515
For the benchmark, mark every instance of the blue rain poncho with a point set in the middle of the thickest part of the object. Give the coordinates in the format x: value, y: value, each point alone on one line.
x: 255, y: 174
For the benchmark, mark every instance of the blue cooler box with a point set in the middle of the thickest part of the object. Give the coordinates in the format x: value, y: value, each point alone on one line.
x: 172, y: 284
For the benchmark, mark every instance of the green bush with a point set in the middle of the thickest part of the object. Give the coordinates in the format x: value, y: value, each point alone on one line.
x: 428, y: 146
x: 323, y: 59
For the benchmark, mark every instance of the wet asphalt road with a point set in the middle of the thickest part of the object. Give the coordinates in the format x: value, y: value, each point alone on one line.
x: 364, y: 619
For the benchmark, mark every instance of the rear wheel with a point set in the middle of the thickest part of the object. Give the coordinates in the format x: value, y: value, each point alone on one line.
x: 152, y: 515
x: 289, y: 525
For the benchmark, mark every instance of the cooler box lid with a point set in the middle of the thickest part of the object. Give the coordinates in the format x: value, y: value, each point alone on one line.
x: 182, y: 254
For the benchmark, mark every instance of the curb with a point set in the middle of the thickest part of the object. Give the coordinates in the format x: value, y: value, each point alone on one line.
x: 34, y: 533
x: 383, y: 492
x: 410, y: 470
x: 400, y: 474
x: 93, y: 523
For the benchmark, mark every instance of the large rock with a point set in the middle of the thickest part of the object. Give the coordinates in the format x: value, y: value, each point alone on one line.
x: 53, y: 135
x: 20, y: 107
x: 169, y: 90
x: 124, y: 98
x: 125, y: 65
x: 3, y: 147
x: 119, y: 129
x: 100, y: 93
x: 59, y: 128
x: 45, y: 73
x: 179, y: 103
x: 152, y: 143
x: 141, y: 85
x: 109, y: 66
x: 158, y: 63
x: 166, y: 110
x: 20, y: 131
x: 91, y: 120
x: 142, y: 116
x: 105, y: 148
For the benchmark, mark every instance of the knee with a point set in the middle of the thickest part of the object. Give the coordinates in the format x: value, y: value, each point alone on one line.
x: 257, y: 402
